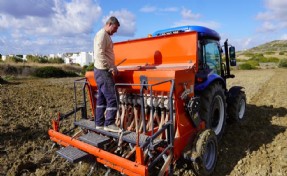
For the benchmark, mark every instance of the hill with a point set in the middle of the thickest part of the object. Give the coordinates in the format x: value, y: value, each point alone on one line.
x: 275, y: 47
x: 268, y: 55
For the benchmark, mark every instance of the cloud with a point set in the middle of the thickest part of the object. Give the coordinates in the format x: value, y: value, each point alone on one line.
x: 268, y: 26
x: 31, y: 26
x: 189, y: 18
x: 151, y: 9
x: 77, y: 16
x: 127, y: 22
x: 283, y: 37
x: 187, y: 14
x: 244, y: 43
x: 274, y: 17
x: 148, y: 9
x: 21, y: 9
x: 169, y: 9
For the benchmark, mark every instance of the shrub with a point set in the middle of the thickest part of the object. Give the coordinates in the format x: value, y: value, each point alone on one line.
x: 253, y: 63
x: 283, y: 63
x: 72, y: 68
x: 10, y: 70
x: 90, y: 67
x: 87, y: 68
x: 273, y: 59
x: 269, y: 52
x: 13, y: 59
x: 281, y: 53
x: 31, y: 58
x: 43, y: 60
x: 71, y: 74
x: 56, y: 60
x: 257, y: 57
x: 261, y: 58
x: 246, y: 66
x: 49, y: 71
x: 37, y: 59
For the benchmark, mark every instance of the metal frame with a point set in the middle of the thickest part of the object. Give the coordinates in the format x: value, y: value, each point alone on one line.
x: 168, y: 126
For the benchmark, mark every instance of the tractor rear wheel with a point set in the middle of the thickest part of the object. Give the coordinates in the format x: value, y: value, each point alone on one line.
x: 213, y: 108
x: 236, y: 109
x: 206, y: 149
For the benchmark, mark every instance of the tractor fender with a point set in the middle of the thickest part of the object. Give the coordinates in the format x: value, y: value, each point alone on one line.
x: 233, y: 92
x: 210, y: 79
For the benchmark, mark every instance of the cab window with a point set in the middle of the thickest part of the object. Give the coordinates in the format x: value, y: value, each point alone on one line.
x: 211, y: 56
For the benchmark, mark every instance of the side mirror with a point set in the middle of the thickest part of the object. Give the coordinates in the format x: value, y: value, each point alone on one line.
x: 232, y: 56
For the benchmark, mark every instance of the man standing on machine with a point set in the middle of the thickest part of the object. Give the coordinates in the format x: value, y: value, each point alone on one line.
x: 104, y: 70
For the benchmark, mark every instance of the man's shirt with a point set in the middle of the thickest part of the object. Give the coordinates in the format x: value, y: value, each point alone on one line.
x: 103, y: 50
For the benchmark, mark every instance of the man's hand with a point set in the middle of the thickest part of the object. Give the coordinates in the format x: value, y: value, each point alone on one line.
x: 114, y: 70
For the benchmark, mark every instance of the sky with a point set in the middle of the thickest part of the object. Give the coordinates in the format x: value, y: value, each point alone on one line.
x: 61, y: 26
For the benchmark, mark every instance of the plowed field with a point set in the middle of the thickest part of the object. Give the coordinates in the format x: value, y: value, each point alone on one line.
x: 258, y: 146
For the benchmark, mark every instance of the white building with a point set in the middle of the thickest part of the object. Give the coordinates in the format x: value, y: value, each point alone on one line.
x: 4, y: 57
x: 24, y: 57
x: 59, y: 55
x: 82, y: 58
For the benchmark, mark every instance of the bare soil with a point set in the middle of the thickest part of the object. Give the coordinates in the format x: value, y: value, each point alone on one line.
x: 257, y: 146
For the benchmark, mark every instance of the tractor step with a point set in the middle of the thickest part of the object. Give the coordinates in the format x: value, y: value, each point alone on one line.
x: 72, y: 154
x: 94, y: 139
x: 128, y: 136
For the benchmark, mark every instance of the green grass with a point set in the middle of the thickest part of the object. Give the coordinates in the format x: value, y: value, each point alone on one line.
x: 282, y: 63
x: 247, y: 66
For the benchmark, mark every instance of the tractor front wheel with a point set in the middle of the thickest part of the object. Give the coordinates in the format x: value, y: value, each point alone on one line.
x: 236, y: 109
x: 206, y: 150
